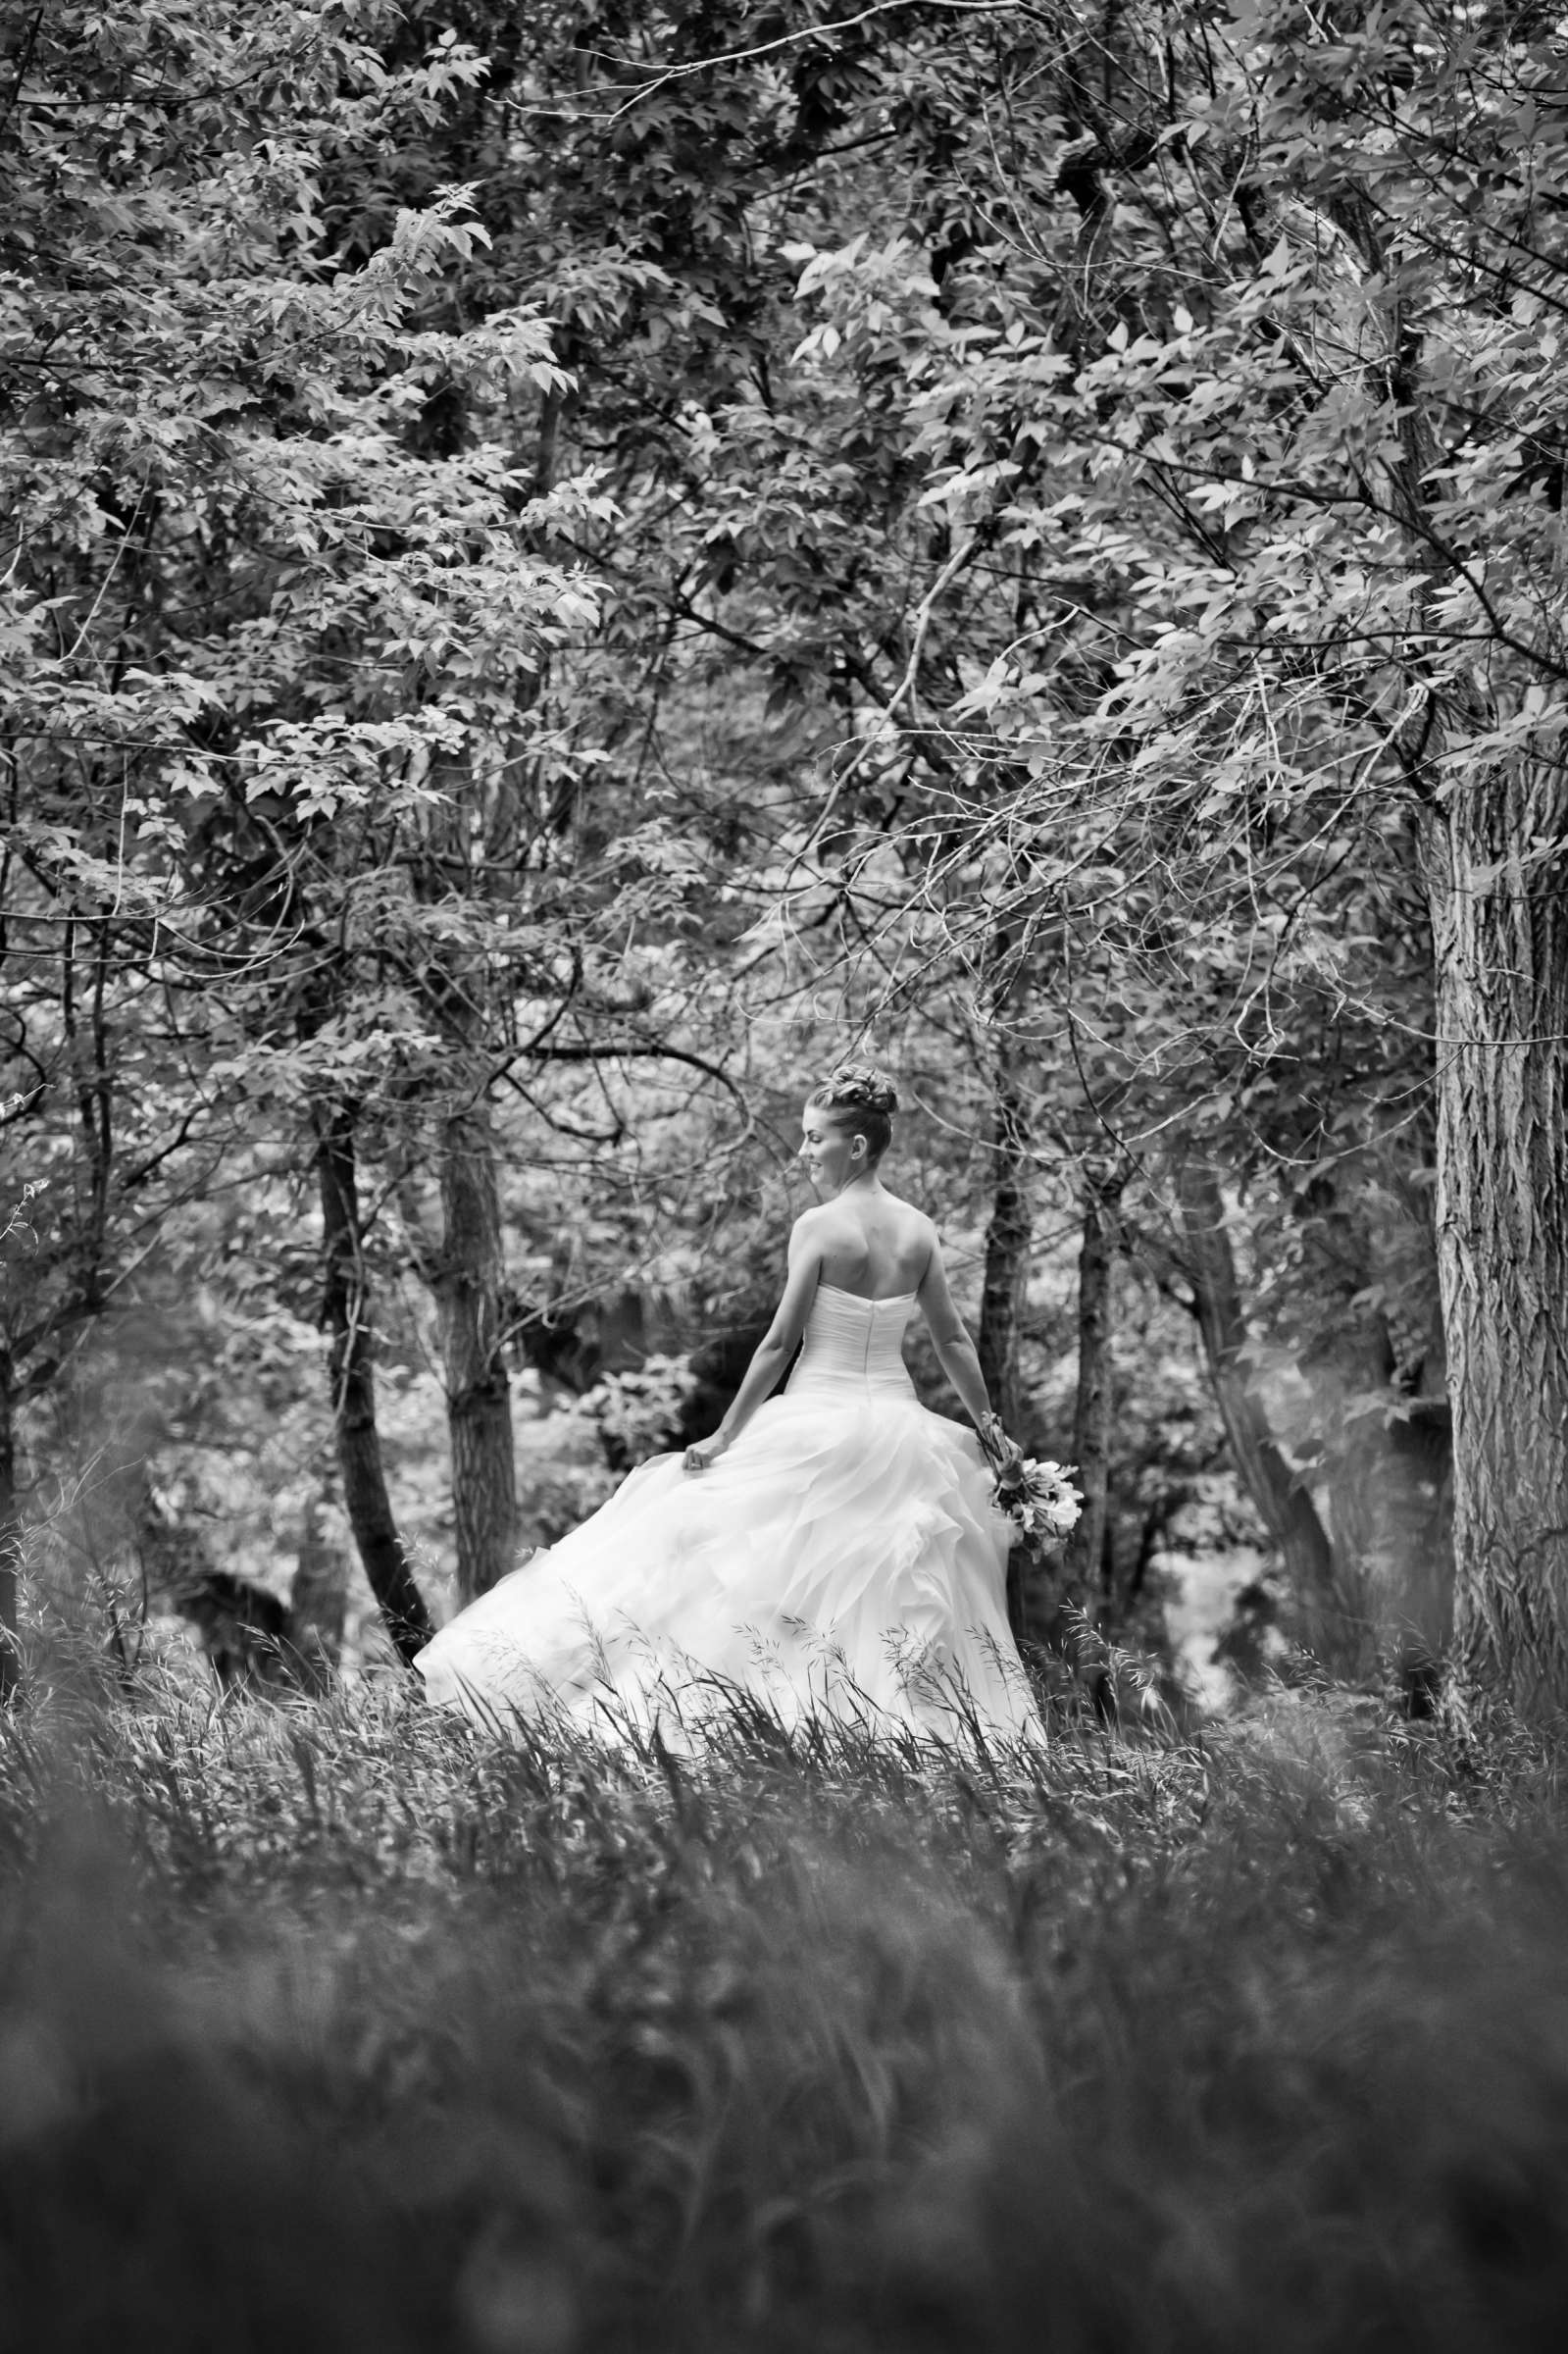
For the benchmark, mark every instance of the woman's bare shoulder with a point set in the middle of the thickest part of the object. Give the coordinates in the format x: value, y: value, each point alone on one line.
x: 812, y: 1222
x: 915, y: 1219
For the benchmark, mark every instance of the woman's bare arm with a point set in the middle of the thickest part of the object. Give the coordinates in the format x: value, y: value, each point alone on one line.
x: 955, y: 1350
x: 776, y: 1346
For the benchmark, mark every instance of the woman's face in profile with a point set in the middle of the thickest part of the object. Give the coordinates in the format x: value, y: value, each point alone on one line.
x: 826, y: 1149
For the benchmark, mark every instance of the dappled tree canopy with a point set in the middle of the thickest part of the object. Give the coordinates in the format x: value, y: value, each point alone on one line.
x: 563, y: 566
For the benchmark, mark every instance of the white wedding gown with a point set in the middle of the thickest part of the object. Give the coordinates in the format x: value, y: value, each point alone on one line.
x: 840, y: 1558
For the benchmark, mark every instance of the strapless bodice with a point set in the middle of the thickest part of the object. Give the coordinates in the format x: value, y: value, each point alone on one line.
x: 850, y: 1339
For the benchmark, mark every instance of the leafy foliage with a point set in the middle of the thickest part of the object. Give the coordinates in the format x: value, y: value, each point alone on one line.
x: 563, y: 566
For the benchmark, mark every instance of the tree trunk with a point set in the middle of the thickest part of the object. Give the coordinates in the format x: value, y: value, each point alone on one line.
x: 1283, y: 1503
x: 1496, y: 863
x: 1007, y: 1240
x: 479, y: 1407
x: 10, y: 1539
x: 1092, y: 1409
x: 346, y: 1314
x: 317, y: 1600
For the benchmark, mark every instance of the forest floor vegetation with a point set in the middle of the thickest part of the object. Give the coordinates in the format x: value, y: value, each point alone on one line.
x: 330, y: 2023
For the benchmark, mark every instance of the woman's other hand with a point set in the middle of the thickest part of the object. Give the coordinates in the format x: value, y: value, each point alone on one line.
x: 705, y: 1452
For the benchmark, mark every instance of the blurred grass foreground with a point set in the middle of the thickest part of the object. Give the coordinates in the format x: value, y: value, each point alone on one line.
x: 326, y: 2024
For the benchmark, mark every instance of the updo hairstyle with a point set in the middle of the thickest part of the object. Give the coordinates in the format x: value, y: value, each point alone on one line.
x: 858, y: 1097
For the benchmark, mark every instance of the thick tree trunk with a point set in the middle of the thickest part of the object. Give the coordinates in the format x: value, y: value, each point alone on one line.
x: 10, y: 1538
x: 1092, y: 1409
x: 346, y: 1314
x: 1283, y: 1503
x: 1007, y: 1240
x: 479, y: 1407
x: 1496, y: 862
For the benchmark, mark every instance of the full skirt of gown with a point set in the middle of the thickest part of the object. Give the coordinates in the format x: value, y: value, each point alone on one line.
x: 842, y: 1559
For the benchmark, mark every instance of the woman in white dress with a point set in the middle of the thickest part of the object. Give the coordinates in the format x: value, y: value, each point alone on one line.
x: 833, y: 1549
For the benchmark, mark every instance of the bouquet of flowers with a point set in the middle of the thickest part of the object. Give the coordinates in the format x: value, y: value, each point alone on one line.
x: 1038, y: 1497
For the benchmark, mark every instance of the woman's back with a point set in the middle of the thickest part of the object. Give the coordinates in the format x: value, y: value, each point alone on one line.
x: 872, y: 1244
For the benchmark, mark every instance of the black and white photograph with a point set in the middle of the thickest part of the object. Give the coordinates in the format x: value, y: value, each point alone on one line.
x: 784, y: 1177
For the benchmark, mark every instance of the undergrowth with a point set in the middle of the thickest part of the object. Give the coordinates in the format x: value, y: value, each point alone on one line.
x: 335, y: 2025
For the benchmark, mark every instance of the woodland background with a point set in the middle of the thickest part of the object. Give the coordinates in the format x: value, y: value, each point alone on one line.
x: 563, y: 566
x: 566, y: 566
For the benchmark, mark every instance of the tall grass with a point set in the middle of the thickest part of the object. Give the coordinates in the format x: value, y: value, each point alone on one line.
x: 334, y: 2026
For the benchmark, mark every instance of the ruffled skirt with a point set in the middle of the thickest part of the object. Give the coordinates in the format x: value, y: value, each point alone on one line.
x: 841, y: 1559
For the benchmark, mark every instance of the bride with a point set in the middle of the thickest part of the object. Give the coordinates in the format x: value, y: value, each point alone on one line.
x: 833, y: 1549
